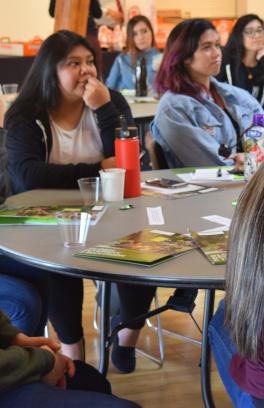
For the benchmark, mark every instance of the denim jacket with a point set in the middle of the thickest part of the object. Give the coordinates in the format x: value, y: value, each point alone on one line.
x: 190, y: 132
x: 122, y: 74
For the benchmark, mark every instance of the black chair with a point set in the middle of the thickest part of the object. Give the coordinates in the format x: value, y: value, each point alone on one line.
x: 157, y: 156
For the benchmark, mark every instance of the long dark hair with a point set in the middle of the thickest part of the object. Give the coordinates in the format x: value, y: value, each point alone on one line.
x: 40, y: 90
x: 234, y: 48
x: 130, y: 42
x: 182, y: 43
x: 244, y: 314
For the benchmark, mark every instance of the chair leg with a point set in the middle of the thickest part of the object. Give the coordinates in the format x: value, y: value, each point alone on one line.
x: 170, y: 333
x: 96, y: 308
x: 158, y: 361
x: 158, y: 329
x: 46, y: 331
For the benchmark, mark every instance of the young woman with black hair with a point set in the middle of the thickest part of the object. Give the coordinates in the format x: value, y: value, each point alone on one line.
x: 243, y: 56
x: 60, y: 128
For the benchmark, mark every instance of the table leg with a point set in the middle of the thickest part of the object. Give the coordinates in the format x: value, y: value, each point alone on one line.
x: 104, y: 327
x: 205, y: 355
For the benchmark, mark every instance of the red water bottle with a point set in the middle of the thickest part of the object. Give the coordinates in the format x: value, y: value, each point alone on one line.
x: 127, y: 157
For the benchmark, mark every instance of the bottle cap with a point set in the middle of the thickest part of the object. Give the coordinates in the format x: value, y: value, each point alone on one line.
x: 128, y: 133
x: 125, y: 132
x: 258, y: 119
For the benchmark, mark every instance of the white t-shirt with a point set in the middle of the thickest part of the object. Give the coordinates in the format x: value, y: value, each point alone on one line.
x: 80, y: 145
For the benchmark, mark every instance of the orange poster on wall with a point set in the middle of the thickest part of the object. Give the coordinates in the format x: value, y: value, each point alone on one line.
x: 224, y: 27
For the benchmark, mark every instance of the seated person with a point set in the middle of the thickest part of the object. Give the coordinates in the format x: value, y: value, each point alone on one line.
x: 19, y: 297
x: 197, y: 113
x: 33, y: 372
x: 243, y: 56
x: 243, y: 363
x: 223, y: 350
x: 60, y: 128
x: 140, y: 43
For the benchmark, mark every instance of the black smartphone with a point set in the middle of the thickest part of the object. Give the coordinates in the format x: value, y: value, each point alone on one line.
x: 165, y: 183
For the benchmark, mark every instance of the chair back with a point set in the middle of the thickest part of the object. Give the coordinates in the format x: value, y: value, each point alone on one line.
x: 157, y: 156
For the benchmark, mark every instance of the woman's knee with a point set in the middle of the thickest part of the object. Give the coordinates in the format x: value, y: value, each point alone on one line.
x: 21, y: 302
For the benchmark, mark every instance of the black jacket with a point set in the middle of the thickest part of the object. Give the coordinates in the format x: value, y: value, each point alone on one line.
x: 29, y: 142
x: 250, y: 79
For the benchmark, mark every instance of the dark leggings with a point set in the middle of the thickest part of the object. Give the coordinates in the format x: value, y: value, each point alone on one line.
x: 65, y: 307
x: 134, y: 301
x: 65, y: 311
x: 88, y: 388
x: 259, y: 403
x: 63, y: 296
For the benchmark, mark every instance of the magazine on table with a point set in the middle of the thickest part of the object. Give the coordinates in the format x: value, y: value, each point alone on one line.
x: 45, y: 214
x: 213, y: 246
x: 146, y: 247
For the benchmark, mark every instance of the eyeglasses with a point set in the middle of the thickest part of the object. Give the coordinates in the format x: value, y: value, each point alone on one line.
x: 251, y: 32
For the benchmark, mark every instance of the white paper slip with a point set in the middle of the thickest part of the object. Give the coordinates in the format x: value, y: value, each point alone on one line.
x: 208, y: 190
x: 204, y: 175
x: 168, y: 191
x: 155, y: 216
x: 218, y: 219
x: 187, y: 177
x: 212, y: 174
x: 213, y: 231
x: 163, y: 232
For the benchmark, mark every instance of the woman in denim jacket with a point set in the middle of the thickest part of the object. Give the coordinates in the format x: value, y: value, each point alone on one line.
x: 196, y: 113
x: 140, y: 43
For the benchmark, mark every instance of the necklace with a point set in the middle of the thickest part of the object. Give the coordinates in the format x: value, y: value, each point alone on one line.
x: 250, y: 75
x: 249, y: 72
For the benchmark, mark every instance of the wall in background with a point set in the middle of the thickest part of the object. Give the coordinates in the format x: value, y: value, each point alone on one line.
x: 24, y: 19
x: 197, y: 8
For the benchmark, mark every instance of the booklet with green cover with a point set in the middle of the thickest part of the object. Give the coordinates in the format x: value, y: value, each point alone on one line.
x: 146, y: 247
x: 45, y: 214
x: 214, y: 246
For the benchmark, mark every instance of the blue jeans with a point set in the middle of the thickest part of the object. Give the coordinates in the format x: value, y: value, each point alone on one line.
x: 223, y: 350
x: 23, y: 302
x: 88, y: 388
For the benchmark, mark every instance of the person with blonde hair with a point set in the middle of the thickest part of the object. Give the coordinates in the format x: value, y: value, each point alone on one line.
x: 237, y: 329
x: 140, y: 43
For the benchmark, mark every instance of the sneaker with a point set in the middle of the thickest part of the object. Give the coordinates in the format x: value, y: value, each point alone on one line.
x: 123, y: 358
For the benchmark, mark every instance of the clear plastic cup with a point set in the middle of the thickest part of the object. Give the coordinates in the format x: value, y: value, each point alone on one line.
x: 73, y: 227
x: 9, y: 88
x: 113, y: 181
x: 90, y: 188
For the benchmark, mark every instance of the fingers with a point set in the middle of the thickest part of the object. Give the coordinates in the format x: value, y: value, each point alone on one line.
x: 95, y: 94
x: 25, y: 341
x: 108, y: 163
x: 70, y: 366
x: 53, y: 344
x: 61, y: 383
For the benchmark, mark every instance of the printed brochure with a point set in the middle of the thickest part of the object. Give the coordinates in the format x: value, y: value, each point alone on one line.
x: 213, y: 246
x: 146, y: 247
x: 45, y: 215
